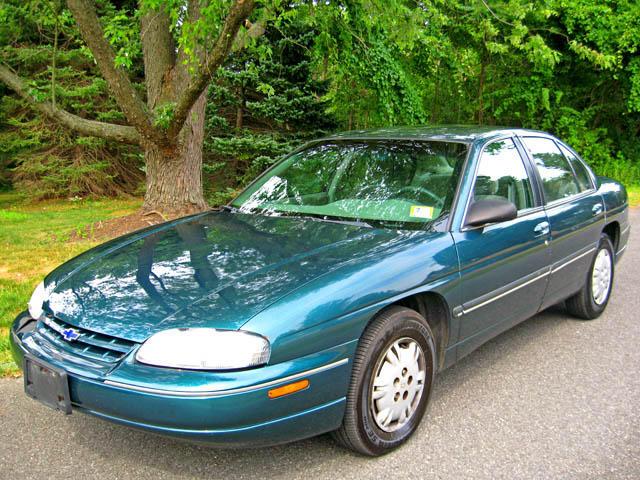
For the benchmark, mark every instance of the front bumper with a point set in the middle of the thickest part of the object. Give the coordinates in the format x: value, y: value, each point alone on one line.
x: 230, y: 409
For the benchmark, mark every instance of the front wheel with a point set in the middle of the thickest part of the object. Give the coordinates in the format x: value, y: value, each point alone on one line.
x: 592, y: 299
x: 393, y: 371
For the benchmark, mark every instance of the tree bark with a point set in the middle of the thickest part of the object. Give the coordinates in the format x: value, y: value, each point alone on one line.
x: 158, y: 48
x: 174, y: 176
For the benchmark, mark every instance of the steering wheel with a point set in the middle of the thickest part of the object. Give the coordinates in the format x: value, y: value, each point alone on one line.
x: 414, y: 188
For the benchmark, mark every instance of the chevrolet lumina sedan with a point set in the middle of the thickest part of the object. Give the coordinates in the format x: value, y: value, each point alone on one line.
x: 328, y: 295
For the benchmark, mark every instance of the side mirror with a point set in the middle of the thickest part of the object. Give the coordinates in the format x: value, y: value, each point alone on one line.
x: 482, y: 212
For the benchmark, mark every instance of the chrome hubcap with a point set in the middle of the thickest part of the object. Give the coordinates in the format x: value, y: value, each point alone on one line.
x: 398, y: 383
x: 601, y: 277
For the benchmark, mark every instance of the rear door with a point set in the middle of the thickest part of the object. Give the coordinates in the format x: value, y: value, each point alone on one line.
x: 575, y: 211
x: 504, y: 266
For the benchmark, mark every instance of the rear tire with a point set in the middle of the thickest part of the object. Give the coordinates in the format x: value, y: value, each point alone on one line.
x: 393, y: 371
x: 593, y: 297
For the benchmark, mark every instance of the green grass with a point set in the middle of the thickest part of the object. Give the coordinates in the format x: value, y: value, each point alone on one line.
x: 634, y: 196
x: 34, y: 239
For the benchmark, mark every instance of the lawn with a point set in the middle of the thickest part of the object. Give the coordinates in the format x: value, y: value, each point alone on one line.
x: 35, y: 238
x: 634, y: 196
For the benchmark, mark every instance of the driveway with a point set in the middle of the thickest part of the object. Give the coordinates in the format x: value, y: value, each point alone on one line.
x: 552, y: 398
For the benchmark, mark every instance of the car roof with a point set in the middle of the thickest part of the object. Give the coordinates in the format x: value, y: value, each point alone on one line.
x: 453, y: 133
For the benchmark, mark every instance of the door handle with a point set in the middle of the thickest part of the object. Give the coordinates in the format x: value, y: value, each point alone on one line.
x: 597, y: 209
x: 541, y: 229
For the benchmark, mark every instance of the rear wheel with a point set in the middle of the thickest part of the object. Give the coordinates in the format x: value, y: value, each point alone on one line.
x: 393, y: 372
x: 592, y: 299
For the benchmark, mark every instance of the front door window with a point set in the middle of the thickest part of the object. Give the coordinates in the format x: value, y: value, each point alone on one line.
x: 502, y: 175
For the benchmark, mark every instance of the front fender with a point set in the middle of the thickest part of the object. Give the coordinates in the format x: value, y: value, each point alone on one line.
x: 336, y: 307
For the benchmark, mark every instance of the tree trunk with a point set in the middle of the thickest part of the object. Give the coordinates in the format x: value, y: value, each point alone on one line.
x: 174, y: 177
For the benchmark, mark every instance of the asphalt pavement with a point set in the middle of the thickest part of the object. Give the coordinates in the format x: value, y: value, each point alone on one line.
x: 554, y: 397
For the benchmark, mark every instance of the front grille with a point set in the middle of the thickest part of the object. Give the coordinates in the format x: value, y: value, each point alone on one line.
x: 92, y: 347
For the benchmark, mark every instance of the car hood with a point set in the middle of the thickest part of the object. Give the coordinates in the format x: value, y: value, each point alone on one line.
x: 215, y: 270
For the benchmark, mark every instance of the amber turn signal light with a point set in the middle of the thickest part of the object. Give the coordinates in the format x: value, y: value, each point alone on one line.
x: 288, y: 389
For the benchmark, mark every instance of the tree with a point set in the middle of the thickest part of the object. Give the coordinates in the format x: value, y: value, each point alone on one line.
x: 177, y: 71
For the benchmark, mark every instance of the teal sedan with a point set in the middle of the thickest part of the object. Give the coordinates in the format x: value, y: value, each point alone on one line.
x: 328, y: 295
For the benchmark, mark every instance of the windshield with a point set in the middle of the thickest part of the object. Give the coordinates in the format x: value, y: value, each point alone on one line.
x: 401, y: 184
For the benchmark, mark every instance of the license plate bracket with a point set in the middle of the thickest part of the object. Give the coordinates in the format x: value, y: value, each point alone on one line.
x: 47, y: 384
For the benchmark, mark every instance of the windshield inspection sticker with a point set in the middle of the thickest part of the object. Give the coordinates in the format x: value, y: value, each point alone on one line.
x: 421, y: 212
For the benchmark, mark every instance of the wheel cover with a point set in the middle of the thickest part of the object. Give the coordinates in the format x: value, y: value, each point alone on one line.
x: 601, y: 277
x: 397, y: 384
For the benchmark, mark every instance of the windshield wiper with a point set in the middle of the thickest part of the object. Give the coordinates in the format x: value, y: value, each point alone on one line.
x: 326, y: 219
x: 318, y: 218
x: 355, y: 223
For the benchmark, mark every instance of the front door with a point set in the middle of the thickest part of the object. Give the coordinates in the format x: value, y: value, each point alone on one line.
x: 504, y: 266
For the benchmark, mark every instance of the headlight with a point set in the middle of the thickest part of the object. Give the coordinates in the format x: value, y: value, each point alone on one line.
x: 204, y: 349
x: 38, y: 297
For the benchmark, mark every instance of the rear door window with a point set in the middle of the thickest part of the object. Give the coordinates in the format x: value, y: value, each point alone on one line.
x: 558, y: 180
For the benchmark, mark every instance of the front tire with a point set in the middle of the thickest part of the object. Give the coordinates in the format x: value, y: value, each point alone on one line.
x: 393, y: 371
x: 593, y: 297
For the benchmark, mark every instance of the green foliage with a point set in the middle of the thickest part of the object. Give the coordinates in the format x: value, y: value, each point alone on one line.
x: 164, y: 114
x: 48, y: 161
x: 365, y: 51
x: 36, y: 155
x: 123, y: 32
x: 571, y: 67
x: 566, y: 66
